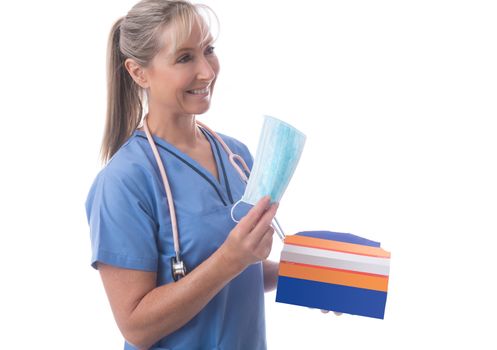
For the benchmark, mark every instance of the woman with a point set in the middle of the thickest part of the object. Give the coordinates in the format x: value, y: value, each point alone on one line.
x: 161, y: 54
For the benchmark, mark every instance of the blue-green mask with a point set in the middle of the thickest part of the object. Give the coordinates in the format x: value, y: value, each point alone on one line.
x: 278, y: 153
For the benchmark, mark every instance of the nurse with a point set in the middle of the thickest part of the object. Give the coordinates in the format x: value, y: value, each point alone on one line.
x: 161, y: 56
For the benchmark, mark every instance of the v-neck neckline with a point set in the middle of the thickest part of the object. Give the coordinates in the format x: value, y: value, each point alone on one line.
x: 221, y: 169
x: 221, y: 185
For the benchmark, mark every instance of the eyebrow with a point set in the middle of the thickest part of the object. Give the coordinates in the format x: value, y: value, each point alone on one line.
x: 207, y: 43
x: 184, y: 49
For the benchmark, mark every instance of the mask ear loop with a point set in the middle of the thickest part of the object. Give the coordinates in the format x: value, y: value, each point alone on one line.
x: 243, y: 174
x: 232, y: 209
x: 277, y: 227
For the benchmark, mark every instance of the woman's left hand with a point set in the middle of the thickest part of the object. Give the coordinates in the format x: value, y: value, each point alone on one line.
x: 336, y: 313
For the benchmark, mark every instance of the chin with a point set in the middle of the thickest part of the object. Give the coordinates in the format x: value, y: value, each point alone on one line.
x: 200, y: 109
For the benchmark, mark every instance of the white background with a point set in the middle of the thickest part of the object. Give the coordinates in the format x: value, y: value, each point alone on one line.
x: 398, y: 101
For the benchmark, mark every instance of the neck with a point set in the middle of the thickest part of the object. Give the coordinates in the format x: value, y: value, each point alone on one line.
x: 179, y: 130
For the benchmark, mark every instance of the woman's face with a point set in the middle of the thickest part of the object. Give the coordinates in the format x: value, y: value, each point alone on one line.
x: 182, y: 82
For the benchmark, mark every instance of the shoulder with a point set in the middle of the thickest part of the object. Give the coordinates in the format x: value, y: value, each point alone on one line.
x: 127, y: 173
x: 130, y: 162
x: 236, y: 146
x: 239, y: 148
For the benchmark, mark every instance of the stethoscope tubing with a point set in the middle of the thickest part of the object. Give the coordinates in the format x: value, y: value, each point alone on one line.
x: 169, y: 196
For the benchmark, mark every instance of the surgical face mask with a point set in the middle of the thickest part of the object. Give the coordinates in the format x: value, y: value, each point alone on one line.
x: 278, y: 153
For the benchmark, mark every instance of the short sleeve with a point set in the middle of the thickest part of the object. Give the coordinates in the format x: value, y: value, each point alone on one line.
x: 122, y: 225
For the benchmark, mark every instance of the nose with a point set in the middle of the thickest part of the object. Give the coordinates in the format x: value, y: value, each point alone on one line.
x: 206, y: 69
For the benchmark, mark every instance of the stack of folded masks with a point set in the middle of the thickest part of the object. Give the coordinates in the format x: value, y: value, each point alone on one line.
x: 334, y: 271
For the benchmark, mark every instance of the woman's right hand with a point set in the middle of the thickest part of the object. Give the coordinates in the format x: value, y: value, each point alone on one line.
x: 251, y: 239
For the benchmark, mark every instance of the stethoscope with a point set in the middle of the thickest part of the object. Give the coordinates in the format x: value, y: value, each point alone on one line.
x: 178, y: 267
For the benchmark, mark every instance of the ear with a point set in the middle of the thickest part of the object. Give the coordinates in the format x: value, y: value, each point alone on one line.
x: 137, y: 72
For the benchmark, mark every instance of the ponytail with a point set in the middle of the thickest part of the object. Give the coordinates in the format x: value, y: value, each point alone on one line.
x: 124, y: 104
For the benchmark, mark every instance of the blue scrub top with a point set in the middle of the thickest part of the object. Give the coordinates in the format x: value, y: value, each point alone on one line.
x: 131, y: 228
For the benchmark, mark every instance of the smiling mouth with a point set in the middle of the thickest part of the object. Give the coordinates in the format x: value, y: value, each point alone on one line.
x: 199, y: 91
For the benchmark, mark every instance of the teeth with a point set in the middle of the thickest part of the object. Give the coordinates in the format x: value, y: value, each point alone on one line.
x: 203, y: 91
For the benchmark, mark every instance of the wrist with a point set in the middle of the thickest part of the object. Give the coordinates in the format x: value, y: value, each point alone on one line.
x: 229, y: 261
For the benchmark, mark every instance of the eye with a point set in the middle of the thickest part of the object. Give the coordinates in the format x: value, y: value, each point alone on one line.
x: 184, y: 59
x: 209, y: 50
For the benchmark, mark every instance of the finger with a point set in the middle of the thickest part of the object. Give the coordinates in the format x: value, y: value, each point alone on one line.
x: 264, y: 223
x: 266, y: 234
x: 338, y: 313
x: 269, y: 232
x: 325, y: 311
x: 254, y: 214
x: 266, y: 242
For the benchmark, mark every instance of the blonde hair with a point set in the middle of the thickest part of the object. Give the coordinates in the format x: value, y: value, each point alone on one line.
x: 140, y: 36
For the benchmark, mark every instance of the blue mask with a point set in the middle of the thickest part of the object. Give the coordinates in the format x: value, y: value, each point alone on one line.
x: 278, y: 153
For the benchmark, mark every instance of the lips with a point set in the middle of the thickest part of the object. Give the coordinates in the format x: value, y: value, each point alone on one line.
x: 199, y: 91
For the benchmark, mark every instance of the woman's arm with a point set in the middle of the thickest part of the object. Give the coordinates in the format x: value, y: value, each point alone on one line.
x: 145, y: 313
x: 270, y: 275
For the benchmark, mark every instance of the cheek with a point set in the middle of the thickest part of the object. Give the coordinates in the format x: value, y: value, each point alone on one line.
x: 165, y: 81
x: 215, y: 66
x: 168, y: 87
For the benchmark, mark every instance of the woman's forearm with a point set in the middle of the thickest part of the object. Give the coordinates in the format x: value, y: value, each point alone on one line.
x: 166, y: 308
x: 270, y: 275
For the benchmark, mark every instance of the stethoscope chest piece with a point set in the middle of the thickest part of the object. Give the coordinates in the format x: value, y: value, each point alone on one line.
x: 178, y: 268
